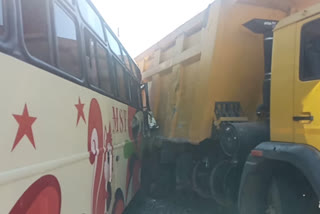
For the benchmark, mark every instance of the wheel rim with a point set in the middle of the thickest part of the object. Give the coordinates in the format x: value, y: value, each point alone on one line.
x: 196, y: 187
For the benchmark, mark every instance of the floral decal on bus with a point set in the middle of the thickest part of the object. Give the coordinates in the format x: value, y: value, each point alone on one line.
x: 43, y: 196
x: 108, y: 163
x: 100, y: 149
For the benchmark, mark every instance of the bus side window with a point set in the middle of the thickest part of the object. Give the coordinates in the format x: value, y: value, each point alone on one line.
x: 91, y: 18
x: 91, y: 60
x: 126, y: 58
x: 1, y: 17
x: 136, y: 70
x: 67, y: 43
x: 35, y: 28
x: 122, y: 82
x: 134, y: 90
x: 114, y: 45
x: 105, y: 73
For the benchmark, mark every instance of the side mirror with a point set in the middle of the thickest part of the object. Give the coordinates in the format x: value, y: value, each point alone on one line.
x: 145, y: 97
x: 149, y: 118
x: 152, y: 123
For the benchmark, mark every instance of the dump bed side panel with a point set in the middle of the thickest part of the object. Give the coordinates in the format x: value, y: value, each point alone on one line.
x: 212, y: 58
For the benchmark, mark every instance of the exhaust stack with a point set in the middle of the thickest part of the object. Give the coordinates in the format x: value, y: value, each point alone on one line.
x: 265, y: 27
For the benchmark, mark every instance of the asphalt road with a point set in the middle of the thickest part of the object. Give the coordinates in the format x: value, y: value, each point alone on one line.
x: 180, y: 202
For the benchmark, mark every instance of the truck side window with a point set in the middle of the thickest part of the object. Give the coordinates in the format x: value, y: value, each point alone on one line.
x: 310, y: 51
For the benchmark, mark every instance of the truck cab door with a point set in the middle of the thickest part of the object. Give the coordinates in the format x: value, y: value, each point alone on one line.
x: 306, y: 116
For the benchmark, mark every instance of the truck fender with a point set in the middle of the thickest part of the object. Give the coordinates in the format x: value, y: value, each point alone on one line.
x: 258, y: 168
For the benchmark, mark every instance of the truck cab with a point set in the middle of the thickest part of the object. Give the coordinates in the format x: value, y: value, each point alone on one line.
x: 295, y: 115
x: 283, y: 175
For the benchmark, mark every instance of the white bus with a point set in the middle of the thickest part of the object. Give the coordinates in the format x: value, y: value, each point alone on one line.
x: 69, y: 95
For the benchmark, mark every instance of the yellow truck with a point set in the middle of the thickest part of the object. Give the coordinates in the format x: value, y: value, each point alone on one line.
x: 240, y: 82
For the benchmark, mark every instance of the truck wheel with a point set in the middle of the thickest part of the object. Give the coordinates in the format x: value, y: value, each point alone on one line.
x: 285, y: 196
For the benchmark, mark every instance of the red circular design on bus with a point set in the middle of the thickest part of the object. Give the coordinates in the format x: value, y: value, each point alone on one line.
x: 118, y: 206
x: 42, y: 197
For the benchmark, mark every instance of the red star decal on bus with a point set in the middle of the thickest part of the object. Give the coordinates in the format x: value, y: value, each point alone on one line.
x: 79, y: 107
x: 25, y: 122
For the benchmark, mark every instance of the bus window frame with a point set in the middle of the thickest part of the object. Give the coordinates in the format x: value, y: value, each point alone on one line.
x: 50, y: 37
x: 24, y: 55
x: 53, y: 32
x: 10, y: 36
x: 129, y: 59
x: 4, y: 36
x: 84, y: 31
x: 106, y: 27
x: 112, y: 95
x: 136, y: 88
x: 85, y: 21
x: 52, y: 46
x: 110, y: 65
x: 121, y: 47
x: 136, y: 71
x: 121, y: 61
x: 128, y: 74
x: 116, y: 60
x: 8, y: 17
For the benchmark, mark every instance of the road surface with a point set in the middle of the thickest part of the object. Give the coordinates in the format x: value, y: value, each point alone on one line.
x: 180, y: 202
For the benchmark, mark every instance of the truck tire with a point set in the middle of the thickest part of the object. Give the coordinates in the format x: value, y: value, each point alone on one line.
x: 285, y: 196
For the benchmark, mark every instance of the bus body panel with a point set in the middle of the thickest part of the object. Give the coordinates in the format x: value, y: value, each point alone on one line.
x: 44, y: 133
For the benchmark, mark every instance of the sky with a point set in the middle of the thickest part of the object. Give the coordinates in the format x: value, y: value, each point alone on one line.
x: 142, y: 23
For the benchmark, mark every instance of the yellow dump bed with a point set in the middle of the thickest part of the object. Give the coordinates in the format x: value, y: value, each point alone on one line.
x: 211, y: 58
